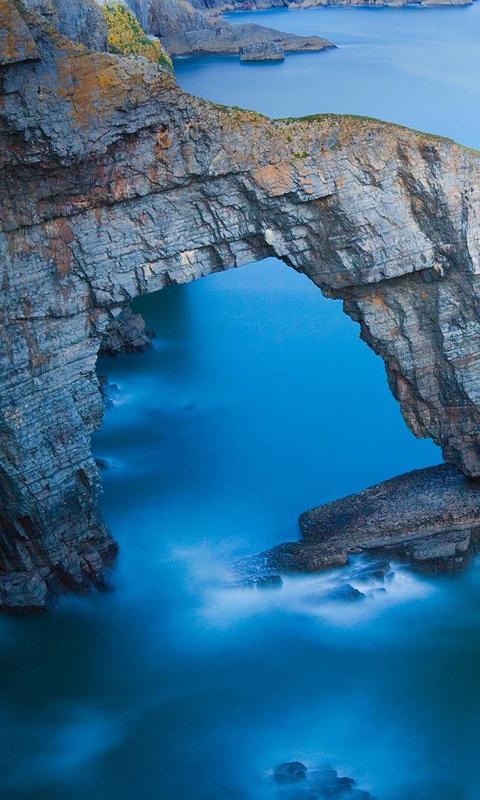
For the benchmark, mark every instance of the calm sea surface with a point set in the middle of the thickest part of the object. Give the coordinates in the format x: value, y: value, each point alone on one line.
x: 257, y: 401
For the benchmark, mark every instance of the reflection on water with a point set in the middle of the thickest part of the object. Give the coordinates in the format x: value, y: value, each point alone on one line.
x: 256, y: 402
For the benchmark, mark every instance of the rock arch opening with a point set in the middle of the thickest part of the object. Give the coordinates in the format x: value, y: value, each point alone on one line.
x: 115, y: 184
x: 257, y: 401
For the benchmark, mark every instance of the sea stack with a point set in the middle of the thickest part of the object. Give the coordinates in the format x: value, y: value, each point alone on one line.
x: 262, y: 51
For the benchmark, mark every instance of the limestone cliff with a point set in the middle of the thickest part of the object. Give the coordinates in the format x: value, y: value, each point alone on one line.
x: 114, y: 183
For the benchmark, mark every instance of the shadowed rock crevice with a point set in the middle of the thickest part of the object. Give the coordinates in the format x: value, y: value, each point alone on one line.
x: 114, y: 183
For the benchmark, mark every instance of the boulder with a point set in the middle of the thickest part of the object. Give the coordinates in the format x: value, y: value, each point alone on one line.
x: 262, y: 51
x: 290, y: 772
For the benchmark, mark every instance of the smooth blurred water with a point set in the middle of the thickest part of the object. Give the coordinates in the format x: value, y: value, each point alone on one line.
x: 257, y: 401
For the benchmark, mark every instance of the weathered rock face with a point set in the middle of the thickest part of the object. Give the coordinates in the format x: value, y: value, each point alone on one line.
x: 115, y: 183
x: 125, y: 334
x: 81, y: 21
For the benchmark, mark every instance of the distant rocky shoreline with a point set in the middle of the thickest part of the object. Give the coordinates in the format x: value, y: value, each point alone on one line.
x: 263, y: 5
x: 198, y: 28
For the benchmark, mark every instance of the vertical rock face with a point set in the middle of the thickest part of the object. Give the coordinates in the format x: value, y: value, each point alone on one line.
x: 114, y: 183
x: 16, y: 42
x: 81, y: 21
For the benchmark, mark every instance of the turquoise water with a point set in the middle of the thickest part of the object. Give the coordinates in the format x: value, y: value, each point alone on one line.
x: 257, y: 401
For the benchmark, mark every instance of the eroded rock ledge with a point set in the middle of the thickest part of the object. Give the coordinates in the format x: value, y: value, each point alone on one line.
x: 428, y: 517
x: 114, y: 183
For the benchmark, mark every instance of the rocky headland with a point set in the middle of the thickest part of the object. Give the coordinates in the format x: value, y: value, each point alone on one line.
x: 115, y: 183
x: 186, y: 28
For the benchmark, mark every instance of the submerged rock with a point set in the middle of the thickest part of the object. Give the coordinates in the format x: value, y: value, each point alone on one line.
x: 290, y: 772
x: 296, y: 782
x: 344, y: 593
x: 262, y: 51
x: 373, y: 571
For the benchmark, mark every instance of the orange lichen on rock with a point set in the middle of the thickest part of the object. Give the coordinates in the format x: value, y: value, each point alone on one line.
x: 60, y: 237
x: 276, y: 179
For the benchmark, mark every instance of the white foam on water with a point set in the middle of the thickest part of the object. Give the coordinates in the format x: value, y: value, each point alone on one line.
x: 314, y: 596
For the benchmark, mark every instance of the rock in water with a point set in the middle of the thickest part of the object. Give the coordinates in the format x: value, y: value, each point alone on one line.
x: 262, y: 51
x: 428, y: 517
x: 296, y: 782
x: 290, y: 772
x: 125, y: 334
x: 343, y: 594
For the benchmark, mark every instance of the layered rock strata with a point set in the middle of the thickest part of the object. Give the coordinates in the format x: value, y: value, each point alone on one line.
x: 114, y: 183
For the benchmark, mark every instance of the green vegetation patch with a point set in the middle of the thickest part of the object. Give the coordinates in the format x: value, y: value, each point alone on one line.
x: 126, y: 36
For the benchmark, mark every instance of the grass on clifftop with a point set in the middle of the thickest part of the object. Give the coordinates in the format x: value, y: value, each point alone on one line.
x: 360, y: 118
x: 126, y: 36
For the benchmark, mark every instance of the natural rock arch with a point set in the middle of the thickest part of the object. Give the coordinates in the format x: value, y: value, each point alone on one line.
x: 115, y: 183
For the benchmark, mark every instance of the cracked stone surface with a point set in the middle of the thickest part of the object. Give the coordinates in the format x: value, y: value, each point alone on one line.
x: 115, y: 183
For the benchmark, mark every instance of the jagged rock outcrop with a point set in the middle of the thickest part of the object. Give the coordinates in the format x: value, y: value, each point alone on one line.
x: 262, y: 51
x: 114, y: 183
x: 125, y: 334
x: 185, y: 30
